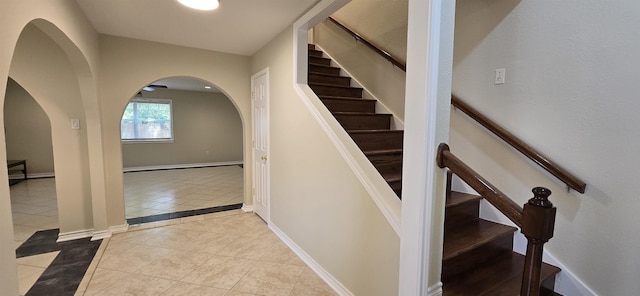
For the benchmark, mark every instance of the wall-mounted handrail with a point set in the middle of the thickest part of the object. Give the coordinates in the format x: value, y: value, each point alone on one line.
x: 536, y: 219
x: 533, y: 154
x: 493, y: 195
x: 555, y: 169
x: 364, y: 41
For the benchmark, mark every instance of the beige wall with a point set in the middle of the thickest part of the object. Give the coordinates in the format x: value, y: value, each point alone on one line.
x: 79, y: 42
x: 571, y: 91
x: 382, y: 22
x: 206, y: 126
x: 316, y: 200
x: 27, y: 130
x: 128, y: 65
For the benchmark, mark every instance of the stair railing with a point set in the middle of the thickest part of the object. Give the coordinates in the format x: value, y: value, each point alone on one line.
x: 552, y: 167
x: 370, y: 45
x: 559, y: 172
x: 536, y: 219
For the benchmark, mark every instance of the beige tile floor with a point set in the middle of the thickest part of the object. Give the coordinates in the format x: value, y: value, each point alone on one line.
x: 168, y: 191
x: 34, y: 207
x: 229, y: 253
x: 34, y: 204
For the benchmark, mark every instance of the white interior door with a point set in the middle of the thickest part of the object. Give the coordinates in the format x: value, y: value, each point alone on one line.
x: 260, y: 113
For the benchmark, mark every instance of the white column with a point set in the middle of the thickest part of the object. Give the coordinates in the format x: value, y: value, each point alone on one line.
x: 427, y: 104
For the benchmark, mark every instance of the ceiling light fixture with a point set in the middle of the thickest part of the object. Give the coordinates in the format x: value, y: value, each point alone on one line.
x: 207, y: 87
x: 200, y: 4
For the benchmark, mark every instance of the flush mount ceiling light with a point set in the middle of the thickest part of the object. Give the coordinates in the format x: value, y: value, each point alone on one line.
x: 200, y: 4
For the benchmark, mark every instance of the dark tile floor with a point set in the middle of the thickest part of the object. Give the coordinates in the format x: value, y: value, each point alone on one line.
x: 66, y: 271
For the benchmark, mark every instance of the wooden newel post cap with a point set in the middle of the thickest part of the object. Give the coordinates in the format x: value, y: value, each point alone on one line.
x: 541, y: 197
x: 539, y: 216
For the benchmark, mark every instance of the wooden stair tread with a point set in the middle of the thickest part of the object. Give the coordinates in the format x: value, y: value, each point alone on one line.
x: 361, y: 114
x: 321, y: 65
x: 376, y: 131
x: 344, y: 98
x: 502, y: 277
x: 332, y: 85
x: 326, y: 74
x: 393, y: 178
x: 383, y: 152
x: 458, y: 198
x: 473, y: 235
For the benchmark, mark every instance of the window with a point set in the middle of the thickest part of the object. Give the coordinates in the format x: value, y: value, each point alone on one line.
x: 147, y: 120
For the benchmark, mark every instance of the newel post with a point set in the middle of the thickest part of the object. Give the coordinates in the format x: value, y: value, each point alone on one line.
x: 538, y: 220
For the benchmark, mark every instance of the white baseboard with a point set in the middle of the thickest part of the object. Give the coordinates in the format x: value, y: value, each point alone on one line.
x: 100, y: 235
x: 107, y: 233
x: 181, y: 166
x: 67, y: 236
x: 32, y: 176
x: 119, y: 228
x: 323, y: 274
x: 247, y: 208
x: 435, y: 290
x: 138, y: 169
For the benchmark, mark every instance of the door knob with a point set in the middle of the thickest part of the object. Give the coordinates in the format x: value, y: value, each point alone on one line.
x: 263, y: 158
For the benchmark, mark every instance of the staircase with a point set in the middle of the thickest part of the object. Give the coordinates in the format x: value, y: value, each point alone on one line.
x: 371, y: 131
x: 478, y: 257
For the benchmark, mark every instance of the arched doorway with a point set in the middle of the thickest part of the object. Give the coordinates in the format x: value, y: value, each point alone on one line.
x: 47, y: 68
x: 28, y: 137
x: 182, y: 151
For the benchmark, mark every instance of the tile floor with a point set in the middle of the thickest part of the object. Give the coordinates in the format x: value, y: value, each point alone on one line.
x: 228, y: 253
x: 168, y: 191
x: 34, y: 204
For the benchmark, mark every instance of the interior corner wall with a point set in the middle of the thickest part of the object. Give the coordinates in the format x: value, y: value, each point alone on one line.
x: 130, y: 64
x: 377, y: 75
x: 571, y: 92
x: 206, y: 127
x: 27, y: 130
x: 57, y: 90
x: 315, y: 199
x: 68, y: 17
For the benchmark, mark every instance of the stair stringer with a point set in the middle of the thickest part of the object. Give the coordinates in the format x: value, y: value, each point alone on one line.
x: 566, y: 283
x: 381, y: 193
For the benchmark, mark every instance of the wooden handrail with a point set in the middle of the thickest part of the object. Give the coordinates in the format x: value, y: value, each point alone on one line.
x: 364, y: 41
x: 493, y: 195
x: 533, y: 154
x: 555, y: 169
x: 536, y: 219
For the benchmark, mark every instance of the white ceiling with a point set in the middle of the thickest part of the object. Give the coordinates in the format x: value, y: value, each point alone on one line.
x: 237, y: 26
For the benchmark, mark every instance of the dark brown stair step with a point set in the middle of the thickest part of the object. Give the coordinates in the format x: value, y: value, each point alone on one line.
x: 378, y: 139
x: 474, y: 235
x: 363, y: 121
x: 461, y: 208
x: 311, y: 46
x: 315, y: 53
x: 386, y: 161
x: 335, y: 90
x: 329, y: 79
x: 319, y: 61
x: 474, y: 244
x: 339, y: 104
x: 395, y: 182
x: 501, y: 277
x: 323, y: 69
